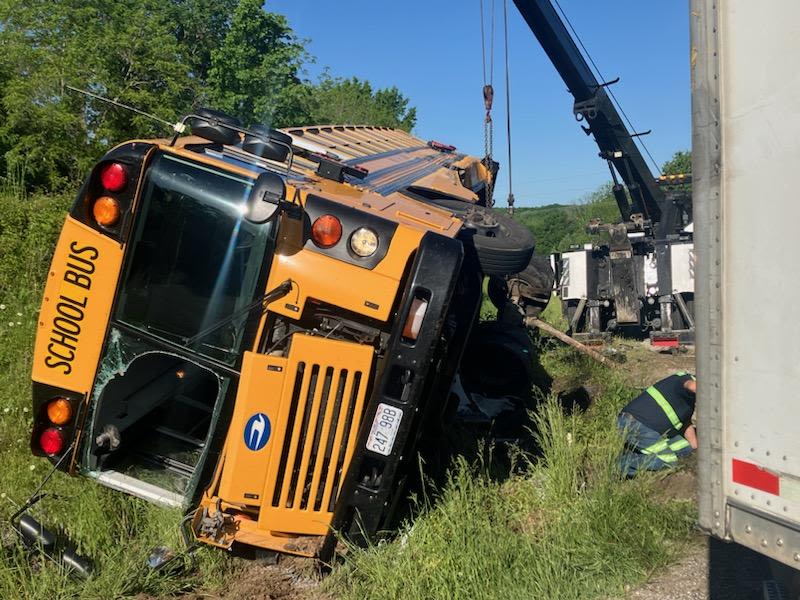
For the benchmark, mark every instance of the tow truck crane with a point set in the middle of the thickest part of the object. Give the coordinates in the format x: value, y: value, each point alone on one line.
x: 642, y: 280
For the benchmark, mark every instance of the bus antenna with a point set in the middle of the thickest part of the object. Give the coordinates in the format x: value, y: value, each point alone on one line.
x: 179, y: 127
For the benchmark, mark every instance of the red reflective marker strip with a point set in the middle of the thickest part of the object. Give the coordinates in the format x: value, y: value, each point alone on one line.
x: 755, y: 477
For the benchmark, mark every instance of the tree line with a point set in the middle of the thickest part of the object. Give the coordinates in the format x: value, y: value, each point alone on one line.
x: 164, y: 57
x: 559, y: 226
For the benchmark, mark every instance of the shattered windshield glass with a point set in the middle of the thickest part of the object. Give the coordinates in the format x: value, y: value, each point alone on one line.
x: 194, y: 259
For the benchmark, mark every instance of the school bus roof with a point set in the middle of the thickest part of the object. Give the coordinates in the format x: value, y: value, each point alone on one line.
x: 400, y: 165
x: 395, y: 159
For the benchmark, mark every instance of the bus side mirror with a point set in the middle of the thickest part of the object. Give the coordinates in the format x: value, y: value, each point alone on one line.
x: 265, y: 198
x: 267, y: 143
x: 215, y: 126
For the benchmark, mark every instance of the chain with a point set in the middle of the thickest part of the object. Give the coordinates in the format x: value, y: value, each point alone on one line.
x: 488, y: 98
x: 488, y: 138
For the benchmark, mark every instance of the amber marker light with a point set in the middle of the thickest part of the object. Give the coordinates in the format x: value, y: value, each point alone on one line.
x: 59, y: 411
x: 326, y: 231
x: 106, y: 211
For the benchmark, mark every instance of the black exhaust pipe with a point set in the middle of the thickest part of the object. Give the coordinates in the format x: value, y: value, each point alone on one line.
x: 37, y: 537
x: 79, y: 565
x: 34, y: 534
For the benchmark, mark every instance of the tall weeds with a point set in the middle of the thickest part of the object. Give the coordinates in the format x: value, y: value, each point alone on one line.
x: 568, y: 526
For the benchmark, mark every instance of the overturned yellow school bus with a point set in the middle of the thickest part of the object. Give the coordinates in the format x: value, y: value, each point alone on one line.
x: 260, y: 325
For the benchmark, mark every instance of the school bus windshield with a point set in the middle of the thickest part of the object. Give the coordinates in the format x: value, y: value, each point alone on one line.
x: 193, y: 259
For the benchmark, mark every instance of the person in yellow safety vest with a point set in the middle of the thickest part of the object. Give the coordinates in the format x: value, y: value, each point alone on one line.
x: 657, y: 425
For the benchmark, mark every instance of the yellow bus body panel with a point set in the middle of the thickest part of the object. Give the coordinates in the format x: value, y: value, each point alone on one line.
x: 350, y: 287
x: 76, y: 307
x: 313, y: 399
x: 260, y: 391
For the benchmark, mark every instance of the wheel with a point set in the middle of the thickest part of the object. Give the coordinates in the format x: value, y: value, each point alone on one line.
x: 498, y: 360
x: 212, y: 125
x: 530, y: 289
x: 502, y: 245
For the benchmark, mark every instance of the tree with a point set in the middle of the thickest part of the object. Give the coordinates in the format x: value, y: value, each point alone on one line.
x: 393, y: 106
x: 558, y: 226
x: 123, y: 50
x: 254, y: 73
x: 353, y: 101
x: 681, y: 162
x: 164, y: 57
x: 200, y: 26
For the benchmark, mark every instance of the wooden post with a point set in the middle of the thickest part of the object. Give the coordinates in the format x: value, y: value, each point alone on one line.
x: 550, y: 330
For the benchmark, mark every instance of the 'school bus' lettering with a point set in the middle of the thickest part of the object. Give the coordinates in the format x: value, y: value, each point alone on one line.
x: 71, y: 307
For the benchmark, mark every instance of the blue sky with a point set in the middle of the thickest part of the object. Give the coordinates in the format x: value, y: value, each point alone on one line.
x: 431, y: 50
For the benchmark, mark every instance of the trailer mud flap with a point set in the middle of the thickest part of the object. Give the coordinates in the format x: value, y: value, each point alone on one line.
x: 387, y: 435
x: 623, y: 277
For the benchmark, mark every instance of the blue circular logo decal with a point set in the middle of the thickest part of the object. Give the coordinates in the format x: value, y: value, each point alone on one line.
x: 256, y: 432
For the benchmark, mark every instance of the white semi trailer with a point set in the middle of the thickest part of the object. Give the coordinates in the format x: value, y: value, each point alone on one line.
x: 746, y: 158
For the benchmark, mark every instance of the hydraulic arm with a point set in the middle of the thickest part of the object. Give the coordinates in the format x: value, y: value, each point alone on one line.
x: 602, y: 120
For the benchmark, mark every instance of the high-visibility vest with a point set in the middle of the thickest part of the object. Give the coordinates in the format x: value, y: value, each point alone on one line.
x: 665, y: 450
x: 665, y: 405
x: 662, y: 448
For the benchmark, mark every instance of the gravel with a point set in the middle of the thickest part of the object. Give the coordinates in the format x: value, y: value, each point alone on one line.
x: 710, y: 570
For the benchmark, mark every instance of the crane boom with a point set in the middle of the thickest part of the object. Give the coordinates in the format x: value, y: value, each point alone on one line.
x: 594, y: 107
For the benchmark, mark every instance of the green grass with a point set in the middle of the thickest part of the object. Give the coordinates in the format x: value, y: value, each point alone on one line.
x: 564, y: 526
x: 113, y: 529
x: 553, y: 314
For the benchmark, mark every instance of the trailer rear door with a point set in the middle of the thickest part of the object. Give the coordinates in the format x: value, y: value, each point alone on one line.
x: 746, y: 161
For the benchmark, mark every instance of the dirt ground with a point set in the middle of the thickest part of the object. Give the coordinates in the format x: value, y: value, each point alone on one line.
x: 290, y: 579
x: 640, y: 364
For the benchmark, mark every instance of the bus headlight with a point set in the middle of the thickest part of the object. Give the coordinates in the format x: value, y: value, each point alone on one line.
x: 364, y: 242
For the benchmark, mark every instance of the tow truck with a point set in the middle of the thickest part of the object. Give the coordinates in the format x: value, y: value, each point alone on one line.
x: 642, y: 279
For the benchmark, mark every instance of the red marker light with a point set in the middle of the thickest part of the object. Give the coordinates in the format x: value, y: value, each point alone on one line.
x: 51, y: 441
x: 326, y: 231
x: 113, y: 177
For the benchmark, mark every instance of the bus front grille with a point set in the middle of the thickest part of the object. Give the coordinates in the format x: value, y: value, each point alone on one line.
x: 323, y: 404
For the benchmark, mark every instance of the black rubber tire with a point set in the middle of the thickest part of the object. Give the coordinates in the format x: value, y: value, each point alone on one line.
x: 498, y: 360
x: 508, y: 252
x: 212, y: 126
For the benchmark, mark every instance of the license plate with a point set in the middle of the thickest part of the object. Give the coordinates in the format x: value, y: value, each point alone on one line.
x: 384, y: 429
